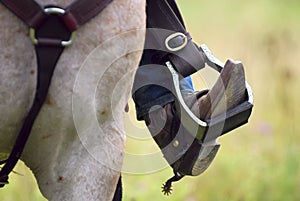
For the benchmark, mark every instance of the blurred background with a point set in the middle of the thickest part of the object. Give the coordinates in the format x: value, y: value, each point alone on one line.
x: 259, y: 161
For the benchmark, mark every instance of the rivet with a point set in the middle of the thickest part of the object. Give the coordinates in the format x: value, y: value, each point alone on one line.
x: 176, y: 143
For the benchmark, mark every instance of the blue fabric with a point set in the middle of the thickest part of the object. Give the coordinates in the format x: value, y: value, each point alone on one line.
x: 186, y: 85
x: 151, y: 88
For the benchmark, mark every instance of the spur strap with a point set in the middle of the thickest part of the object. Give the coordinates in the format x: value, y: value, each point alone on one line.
x: 52, y: 27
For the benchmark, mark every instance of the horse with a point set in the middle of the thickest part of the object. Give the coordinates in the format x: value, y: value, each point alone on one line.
x: 75, y: 149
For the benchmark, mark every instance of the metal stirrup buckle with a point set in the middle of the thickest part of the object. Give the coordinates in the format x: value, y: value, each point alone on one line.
x: 57, y: 11
x: 176, y: 41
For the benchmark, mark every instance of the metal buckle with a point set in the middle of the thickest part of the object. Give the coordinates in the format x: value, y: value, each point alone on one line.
x: 174, y: 36
x: 57, y: 11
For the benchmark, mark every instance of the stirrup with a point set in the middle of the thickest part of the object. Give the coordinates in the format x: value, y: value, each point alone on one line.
x: 205, y: 133
x: 194, y: 146
x: 234, y: 117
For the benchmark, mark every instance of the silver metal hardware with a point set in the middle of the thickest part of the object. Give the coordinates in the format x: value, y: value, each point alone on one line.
x: 176, y: 143
x: 180, y: 98
x: 58, y: 11
x: 32, y: 36
x: 54, y: 10
x: 173, y: 36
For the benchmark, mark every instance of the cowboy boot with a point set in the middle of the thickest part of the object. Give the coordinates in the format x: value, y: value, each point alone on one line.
x: 165, y: 126
x: 228, y: 92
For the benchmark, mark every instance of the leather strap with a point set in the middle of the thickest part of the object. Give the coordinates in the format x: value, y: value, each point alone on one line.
x: 47, y: 60
x: 164, y: 20
x: 77, y: 13
x: 84, y: 10
x: 27, y: 10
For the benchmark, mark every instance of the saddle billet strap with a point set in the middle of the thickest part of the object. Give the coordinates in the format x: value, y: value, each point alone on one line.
x: 77, y: 13
x: 161, y: 15
x: 165, y: 28
x: 175, y: 9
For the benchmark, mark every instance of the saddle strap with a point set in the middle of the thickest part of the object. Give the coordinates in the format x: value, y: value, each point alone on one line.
x: 165, y: 26
x: 50, y: 31
x: 77, y: 13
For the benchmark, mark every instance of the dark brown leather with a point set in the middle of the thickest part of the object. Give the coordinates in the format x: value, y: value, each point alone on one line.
x: 165, y: 22
x: 27, y: 10
x: 175, y: 142
x: 77, y: 13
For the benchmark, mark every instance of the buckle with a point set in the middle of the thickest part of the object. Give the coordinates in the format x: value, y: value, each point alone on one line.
x: 56, y: 11
x: 176, y: 41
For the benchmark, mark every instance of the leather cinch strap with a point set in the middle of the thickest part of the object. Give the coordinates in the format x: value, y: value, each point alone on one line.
x: 51, y: 29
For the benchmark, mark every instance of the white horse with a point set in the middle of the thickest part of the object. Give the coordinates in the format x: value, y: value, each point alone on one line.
x: 71, y: 157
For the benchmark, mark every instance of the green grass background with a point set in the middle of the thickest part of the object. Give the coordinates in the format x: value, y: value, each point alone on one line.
x: 257, y: 162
